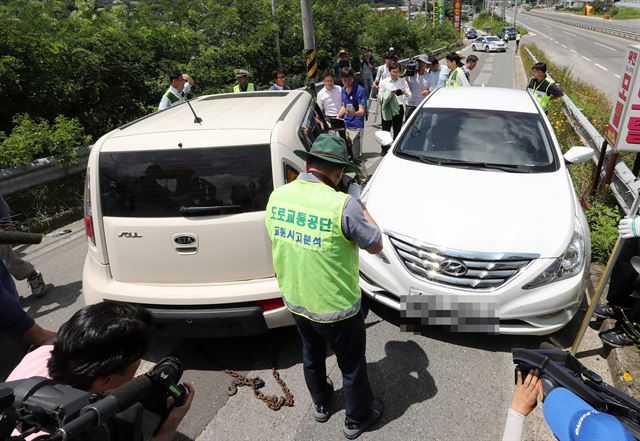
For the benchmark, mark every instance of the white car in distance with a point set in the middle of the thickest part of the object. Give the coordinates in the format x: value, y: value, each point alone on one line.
x: 483, y: 231
x: 489, y: 44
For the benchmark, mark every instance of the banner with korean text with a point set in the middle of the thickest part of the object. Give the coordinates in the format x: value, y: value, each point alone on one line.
x: 623, y: 131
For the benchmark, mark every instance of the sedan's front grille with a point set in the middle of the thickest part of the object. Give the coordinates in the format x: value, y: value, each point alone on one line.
x: 460, y: 269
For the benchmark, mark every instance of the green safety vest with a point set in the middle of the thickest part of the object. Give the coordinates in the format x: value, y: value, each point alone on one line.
x: 542, y: 96
x: 250, y: 88
x: 452, y: 79
x: 315, y: 264
x: 518, y: 37
x: 173, y: 98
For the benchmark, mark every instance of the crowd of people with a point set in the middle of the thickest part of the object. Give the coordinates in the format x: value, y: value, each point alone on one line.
x: 326, y: 312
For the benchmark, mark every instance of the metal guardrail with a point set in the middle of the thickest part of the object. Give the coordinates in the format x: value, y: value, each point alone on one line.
x: 623, y: 182
x: 604, y: 27
x: 39, y: 172
x: 46, y: 170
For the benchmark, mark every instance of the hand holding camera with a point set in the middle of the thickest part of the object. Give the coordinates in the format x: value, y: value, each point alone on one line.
x: 399, y: 92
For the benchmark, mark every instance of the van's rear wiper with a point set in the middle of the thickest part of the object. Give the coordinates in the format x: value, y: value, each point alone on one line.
x: 205, y: 211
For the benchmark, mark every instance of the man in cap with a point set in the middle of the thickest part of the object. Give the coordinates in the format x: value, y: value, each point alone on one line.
x: 316, y: 231
x: 343, y: 61
x: 243, y: 84
x: 418, y: 85
x: 180, y: 85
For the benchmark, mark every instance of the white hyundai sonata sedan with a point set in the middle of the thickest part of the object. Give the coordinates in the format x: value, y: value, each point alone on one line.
x: 483, y: 230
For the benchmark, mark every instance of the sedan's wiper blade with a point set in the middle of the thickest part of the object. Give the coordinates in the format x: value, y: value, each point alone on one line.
x: 205, y: 211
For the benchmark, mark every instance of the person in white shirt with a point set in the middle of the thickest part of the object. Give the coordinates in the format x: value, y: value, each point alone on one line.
x: 180, y: 85
x: 383, y: 71
x: 394, y: 85
x: 418, y: 85
x: 330, y: 97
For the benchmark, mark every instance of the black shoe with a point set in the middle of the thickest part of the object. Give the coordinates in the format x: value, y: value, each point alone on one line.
x: 615, y: 337
x: 321, y: 411
x: 353, y: 430
x: 605, y: 311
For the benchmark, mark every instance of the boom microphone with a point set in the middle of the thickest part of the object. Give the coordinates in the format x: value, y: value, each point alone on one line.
x: 16, y: 238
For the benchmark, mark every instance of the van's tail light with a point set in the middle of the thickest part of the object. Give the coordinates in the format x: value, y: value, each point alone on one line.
x: 271, y: 304
x: 290, y: 173
x: 88, y: 218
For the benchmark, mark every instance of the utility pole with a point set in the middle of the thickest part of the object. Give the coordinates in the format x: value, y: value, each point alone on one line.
x: 309, y: 39
x: 273, y: 14
x: 515, y: 12
x: 504, y: 10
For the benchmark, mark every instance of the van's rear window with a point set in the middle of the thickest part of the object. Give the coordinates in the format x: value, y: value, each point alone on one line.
x: 157, y: 183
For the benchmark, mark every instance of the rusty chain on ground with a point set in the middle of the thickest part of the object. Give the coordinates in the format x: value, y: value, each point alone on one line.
x: 257, y: 383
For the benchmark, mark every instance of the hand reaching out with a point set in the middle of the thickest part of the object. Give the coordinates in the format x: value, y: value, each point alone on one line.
x: 527, y: 392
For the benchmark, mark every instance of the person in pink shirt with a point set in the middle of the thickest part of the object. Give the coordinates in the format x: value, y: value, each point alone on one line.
x: 99, y: 349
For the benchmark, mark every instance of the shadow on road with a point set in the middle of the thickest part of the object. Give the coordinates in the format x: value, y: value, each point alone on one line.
x: 57, y: 297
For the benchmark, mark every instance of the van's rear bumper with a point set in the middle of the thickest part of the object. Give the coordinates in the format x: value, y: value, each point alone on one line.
x: 198, y: 310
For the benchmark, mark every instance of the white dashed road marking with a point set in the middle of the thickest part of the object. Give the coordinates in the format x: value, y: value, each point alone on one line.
x: 610, y: 48
x: 569, y: 33
x: 601, y: 67
x: 573, y: 51
x: 564, y: 46
x: 588, y: 59
x: 617, y: 76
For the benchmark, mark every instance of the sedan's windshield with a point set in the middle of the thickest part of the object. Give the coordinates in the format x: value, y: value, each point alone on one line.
x: 493, y: 39
x: 506, y: 141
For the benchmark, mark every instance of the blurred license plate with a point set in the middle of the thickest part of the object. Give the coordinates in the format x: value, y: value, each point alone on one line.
x: 457, y: 313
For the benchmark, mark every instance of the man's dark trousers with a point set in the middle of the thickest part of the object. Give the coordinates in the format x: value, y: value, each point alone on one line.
x: 347, y: 339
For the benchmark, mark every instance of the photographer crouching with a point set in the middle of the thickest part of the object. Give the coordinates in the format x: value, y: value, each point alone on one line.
x: 98, y: 350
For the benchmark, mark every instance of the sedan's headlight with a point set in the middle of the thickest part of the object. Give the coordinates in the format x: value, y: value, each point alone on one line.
x: 570, y: 264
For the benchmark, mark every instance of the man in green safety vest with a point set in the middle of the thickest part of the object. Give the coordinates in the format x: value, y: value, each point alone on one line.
x: 456, y: 77
x: 316, y: 231
x: 180, y: 85
x: 542, y: 87
x: 518, y: 37
x: 243, y: 84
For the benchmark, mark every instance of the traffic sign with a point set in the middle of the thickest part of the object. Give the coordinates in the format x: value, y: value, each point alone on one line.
x: 623, y: 131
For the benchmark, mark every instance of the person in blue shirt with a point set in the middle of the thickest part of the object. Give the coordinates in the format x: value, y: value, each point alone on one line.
x: 352, y: 110
x: 279, y: 78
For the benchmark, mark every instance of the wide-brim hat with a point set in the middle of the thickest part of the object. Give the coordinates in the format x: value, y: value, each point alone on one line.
x: 329, y: 148
x: 424, y: 58
x: 241, y: 73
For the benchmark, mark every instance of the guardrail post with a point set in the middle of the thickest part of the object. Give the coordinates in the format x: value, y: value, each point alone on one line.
x: 598, y: 171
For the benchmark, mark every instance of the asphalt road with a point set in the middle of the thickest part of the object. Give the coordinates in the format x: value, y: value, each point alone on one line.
x: 592, y: 56
x: 435, y: 386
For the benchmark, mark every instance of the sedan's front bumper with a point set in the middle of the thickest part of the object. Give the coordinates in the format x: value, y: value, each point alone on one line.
x: 509, y: 309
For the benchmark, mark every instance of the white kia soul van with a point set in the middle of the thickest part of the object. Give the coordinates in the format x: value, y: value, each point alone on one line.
x: 174, y: 211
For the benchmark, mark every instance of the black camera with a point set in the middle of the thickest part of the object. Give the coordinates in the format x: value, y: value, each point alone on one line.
x: 37, y: 404
x: 412, y: 68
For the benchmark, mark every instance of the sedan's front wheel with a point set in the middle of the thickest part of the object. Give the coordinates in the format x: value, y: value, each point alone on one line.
x: 486, y: 48
x: 473, y: 47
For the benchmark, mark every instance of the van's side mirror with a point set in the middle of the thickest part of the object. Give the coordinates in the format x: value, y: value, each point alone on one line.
x: 578, y: 154
x: 383, y: 138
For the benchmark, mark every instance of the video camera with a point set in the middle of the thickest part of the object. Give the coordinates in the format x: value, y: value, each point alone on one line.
x: 38, y: 404
x: 561, y: 369
x: 411, y: 68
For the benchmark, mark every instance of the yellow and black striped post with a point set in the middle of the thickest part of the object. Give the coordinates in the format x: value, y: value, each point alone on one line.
x: 312, y: 63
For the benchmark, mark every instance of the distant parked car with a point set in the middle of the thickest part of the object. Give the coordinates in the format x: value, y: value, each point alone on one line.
x: 471, y: 33
x: 510, y: 30
x: 489, y: 44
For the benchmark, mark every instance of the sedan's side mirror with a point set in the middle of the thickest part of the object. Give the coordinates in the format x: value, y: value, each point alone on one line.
x: 578, y: 154
x: 383, y: 138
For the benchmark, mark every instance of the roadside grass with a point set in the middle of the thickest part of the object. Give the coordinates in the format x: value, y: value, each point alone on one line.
x: 603, y: 214
x: 622, y: 13
x: 492, y: 24
x: 38, y: 209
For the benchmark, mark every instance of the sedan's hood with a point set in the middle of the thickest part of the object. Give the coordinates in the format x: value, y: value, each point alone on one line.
x: 473, y: 210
